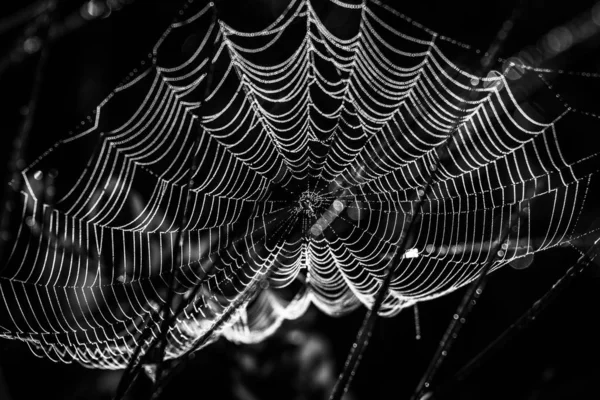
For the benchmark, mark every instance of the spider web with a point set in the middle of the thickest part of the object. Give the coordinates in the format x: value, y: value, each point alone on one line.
x: 265, y: 171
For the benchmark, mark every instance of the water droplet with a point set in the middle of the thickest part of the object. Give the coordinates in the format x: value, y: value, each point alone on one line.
x: 355, y: 211
x: 316, y: 230
x: 338, y: 205
x: 513, y: 68
x: 92, y: 9
x: 32, y: 45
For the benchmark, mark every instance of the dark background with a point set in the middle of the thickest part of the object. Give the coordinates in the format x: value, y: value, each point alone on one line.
x: 555, y: 358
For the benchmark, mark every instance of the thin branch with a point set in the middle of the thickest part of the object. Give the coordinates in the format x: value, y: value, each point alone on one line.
x: 362, y: 339
x: 523, y: 322
x: 364, y: 333
x: 467, y: 303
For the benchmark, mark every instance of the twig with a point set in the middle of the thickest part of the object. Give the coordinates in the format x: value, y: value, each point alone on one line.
x: 362, y: 339
x: 520, y: 324
x: 466, y: 305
